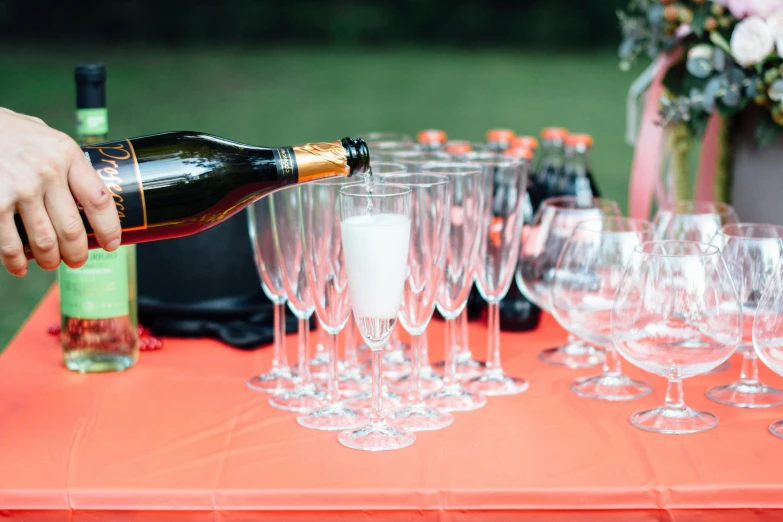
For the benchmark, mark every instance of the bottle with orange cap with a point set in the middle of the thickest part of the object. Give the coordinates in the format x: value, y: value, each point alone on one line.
x: 577, y: 179
x: 499, y: 140
x: 431, y: 139
x: 552, y: 164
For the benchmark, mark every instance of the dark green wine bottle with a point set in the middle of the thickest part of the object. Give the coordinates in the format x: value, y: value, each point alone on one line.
x: 180, y: 183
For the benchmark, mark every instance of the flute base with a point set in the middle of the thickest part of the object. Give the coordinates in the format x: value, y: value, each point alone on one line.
x: 454, y: 397
x: 745, y: 395
x: 303, y: 399
x: 332, y: 417
x: 430, y: 381
x: 276, y: 380
x: 353, y: 382
x: 495, y: 382
x: 376, y: 437
x: 776, y: 429
x: 420, y: 417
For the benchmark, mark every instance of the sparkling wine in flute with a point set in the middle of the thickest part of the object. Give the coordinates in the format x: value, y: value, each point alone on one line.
x: 177, y: 184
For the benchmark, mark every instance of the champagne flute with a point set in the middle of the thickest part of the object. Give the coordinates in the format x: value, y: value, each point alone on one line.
x: 430, y: 203
x: 326, y: 276
x: 284, y: 211
x: 505, y: 183
x: 376, y: 236
x: 279, y: 377
x: 462, y: 250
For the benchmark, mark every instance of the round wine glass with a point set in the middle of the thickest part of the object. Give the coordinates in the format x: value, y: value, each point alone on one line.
x: 505, y: 182
x: 284, y: 211
x: 430, y: 203
x: 676, y: 314
x: 751, y: 252
x: 376, y: 236
x: 328, y: 282
x: 768, y: 331
x: 279, y: 377
x: 585, y: 282
x: 462, y: 250
x: 694, y: 220
x: 544, y: 240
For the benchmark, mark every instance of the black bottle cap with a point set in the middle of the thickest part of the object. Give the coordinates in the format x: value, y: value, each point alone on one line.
x: 90, y: 86
x: 358, y: 155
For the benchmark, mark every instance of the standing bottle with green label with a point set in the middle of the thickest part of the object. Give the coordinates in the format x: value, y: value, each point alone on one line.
x: 98, y: 300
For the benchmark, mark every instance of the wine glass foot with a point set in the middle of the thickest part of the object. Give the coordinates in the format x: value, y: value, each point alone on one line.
x: 573, y: 355
x: 455, y: 397
x: 299, y: 400
x: 743, y: 395
x: 493, y: 383
x: 377, y: 437
x: 720, y: 369
x: 776, y: 429
x: 420, y: 417
x: 610, y: 387
x: 276, y: 380
x: 675, y: 421
x: 332, y: 417
x: 320, y: 371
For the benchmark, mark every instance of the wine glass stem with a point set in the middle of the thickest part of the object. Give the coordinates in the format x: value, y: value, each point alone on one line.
x: 279, y: 357
x: 450, y: 373
x: 304, y: 352
x: 493, y: 337
x: 414, y: 395
x: 376, y: 415
x: 332, y: 392
x: 674, y: 395
x: 612, y: 362
x: 461, y: 333
x: 424, y: 354
x: 749, y: 374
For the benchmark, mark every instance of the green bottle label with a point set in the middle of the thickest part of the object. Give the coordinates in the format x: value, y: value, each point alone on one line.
x: 97, y: 290
x: 92, y: 122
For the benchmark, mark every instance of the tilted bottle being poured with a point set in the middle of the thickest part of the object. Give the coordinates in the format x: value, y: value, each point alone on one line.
x: 176, y: 184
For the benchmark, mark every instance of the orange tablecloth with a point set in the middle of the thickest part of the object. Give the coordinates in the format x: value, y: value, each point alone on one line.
x: 179, y: 437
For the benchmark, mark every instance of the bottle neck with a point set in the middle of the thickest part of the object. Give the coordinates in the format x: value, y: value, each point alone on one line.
x: 357, y: 155
x: 579, y: 162
x: 553, y: 154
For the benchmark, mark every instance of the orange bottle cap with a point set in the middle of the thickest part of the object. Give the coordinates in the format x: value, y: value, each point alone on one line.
x: 579, y: 139
x: 524, y: 142
x: 431, y: 136
x: 458, y: 147
x: 500, y: 135
x: 519, y: 152
x: 554, y: 133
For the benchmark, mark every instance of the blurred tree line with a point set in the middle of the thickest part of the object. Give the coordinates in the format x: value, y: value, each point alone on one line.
x: 552, y: 24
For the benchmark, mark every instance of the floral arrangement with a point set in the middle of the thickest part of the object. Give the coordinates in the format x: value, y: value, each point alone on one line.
x: 722, y: 57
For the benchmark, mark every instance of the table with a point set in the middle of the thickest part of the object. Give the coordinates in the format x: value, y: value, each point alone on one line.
x: 180, y: 438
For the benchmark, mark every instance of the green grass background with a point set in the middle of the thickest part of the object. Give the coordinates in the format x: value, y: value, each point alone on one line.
x: 288, y: 96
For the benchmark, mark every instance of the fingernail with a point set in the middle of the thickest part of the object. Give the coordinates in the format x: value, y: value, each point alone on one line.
x: 113, y: 245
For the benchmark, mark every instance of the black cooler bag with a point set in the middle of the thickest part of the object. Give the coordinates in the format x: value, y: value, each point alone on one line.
x: 206, y: 285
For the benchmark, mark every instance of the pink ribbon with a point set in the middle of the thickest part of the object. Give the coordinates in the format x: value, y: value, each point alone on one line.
x: 646, y: 168
x: 708, y: 160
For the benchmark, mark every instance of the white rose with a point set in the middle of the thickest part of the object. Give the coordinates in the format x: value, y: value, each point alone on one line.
x: 775, y: 23
x: 751, y: 41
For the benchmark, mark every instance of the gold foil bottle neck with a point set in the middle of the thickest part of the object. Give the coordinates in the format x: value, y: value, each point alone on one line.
x: 321, y: 160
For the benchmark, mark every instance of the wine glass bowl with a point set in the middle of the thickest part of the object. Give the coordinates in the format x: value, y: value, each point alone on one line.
x: 543, y: 242
x: 768, y: 331
x: 585, y: 282
x: 676, y: 314
x: 751, y: 252
x: 693, y: 220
